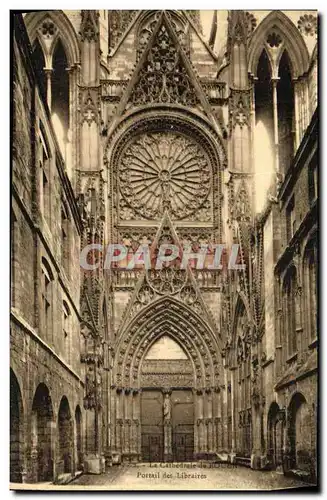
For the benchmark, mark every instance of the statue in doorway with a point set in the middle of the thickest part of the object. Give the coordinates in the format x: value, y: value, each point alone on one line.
x: 167, y: 408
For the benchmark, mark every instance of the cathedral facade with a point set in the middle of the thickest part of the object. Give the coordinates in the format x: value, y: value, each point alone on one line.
x: 137, y: 129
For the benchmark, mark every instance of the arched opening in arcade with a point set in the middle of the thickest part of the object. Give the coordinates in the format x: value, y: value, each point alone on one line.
x: 66, y: 441
x: 275, y: 436
x: 16, y: 430
x: 78, y: 427
x: 300, y: 433
x: 42, y: 419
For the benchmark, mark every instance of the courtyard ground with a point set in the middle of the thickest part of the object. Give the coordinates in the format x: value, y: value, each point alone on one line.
x: 161, y: 477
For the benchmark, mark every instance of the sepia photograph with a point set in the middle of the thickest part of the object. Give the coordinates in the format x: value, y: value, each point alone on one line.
x: 164, y: 250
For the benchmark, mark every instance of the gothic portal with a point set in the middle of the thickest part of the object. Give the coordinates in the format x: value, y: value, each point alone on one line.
x: 182, y: 129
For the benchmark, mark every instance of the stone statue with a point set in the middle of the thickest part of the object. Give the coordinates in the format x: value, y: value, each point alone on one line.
x: 167, y: 408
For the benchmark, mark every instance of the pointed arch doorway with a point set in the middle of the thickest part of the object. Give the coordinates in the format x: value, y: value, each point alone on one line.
x: 167, y: 406
x: 168, y: 349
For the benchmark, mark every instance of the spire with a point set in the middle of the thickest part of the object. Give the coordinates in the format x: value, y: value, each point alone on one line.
x: 89, y: 26
x: 237, y: 28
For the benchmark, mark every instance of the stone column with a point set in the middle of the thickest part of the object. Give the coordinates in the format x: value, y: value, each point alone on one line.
x: 127, y: 423
x: 214, y: 415
x: 48, y: 74
x: 306, y: 103
x: 214, y: 434
x: 54, y: 447
x: 275, y: 111
x: 138, y: 427
x: 196, y: 413
x: 89, y: 160
x: 201, y: 422
x: 119, y: 422
x: 256, y: 397
x: 287, y: 458
x: 127, y: 439
x: 72, y: 145
x: 220, y: 414
x: 134, y: 428
x: 232, y: 388
x: 112, y: 419
x: 209, y: 432
x: 281, y: 439
x: 297, y: 112
x: 33, y: 458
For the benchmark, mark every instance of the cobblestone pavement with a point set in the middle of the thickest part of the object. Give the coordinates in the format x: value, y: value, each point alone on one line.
x: 166, y: 477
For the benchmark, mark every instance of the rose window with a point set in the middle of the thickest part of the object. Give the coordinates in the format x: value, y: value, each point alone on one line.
x: 164, y: 171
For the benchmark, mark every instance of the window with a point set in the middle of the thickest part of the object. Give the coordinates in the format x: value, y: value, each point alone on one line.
x: 66, y: 317
x: 310, y: 283
x: 60, y: 88
x: 285, y: 106
x: 14, y: 258
x: 44, y: 162
x: 274, y: 101
x: 290, y: 220
x: 312, y: 180
x: 39, y: 62
x: 47, y: 299
x: 65, y: 249
x: 289, y: 310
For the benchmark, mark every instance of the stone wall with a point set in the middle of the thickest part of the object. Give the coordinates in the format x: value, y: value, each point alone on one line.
x: 39, y: 356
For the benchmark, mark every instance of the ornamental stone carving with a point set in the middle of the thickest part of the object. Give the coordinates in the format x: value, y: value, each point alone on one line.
x: 239, y: 113
x: 119, y: 20
x: 274, y: 40
x: 48, y: 29
x: 167, y: 280
x: 89, y: 26
x: 251, y: 22
x: 307, y: 25
x: 164, y: 79
x: 148, y: 26
x: 164, y: 170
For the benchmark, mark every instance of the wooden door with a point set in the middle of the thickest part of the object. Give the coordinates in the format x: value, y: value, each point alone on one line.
x: 182, y: 425
x: 152, y: 434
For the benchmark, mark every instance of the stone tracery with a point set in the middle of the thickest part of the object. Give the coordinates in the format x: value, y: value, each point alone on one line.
x: 164, y: 77
x: 164, y: 170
